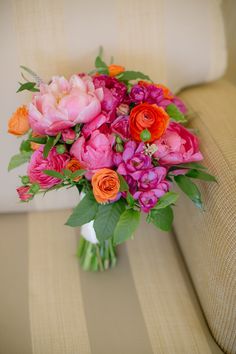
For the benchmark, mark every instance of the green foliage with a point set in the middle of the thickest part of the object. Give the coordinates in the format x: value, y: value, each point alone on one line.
x: 190, y: 189
x: 161, y: 218
x: 200, y: 175
x: 29, y: 86
x: 188, y: 165
x: 84, y: 212
x: 25, y: 146
x: 127, y: 224
x: 107, y: 218
x: 53, y: 173
x: 19, y: 159
x: 51, y: 141
x: 38, y: 140
x: 167, y: 199
x: 101, y: 66
x: 77, y: 173
x: 132, y: 75
x: 123, y: 184
x: 175, y: 113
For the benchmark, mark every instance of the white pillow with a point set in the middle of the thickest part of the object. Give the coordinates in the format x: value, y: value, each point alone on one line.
x: 178, y: 43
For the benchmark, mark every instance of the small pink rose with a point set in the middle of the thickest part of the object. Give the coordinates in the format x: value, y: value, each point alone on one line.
x: 68, y: 135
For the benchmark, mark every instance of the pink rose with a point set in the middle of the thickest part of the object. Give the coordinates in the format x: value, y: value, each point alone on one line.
x: 63, y: 104
x: 94, y: 153
x: 23, y: 193
x: 68, y: 135
x: 120, y: 126
x: 177, y: 146
x: 38, y: 164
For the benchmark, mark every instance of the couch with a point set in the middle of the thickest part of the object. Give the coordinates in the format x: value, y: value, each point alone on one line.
x: 171, y: 293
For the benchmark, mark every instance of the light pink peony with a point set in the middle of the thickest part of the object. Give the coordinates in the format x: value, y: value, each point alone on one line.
x: 62, y: 104
x: 177, y: 146
x: 23, y: 193
x: 38, y: 164
x: 94, y: 153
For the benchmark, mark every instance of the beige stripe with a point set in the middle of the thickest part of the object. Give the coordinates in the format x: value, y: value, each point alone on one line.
x: 14, y: 311
x: 58, y: 323
x: 171, y: 312
x: 114, y: 318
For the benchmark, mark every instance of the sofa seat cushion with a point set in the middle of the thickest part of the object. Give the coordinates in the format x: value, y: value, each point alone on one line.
x: 144, y: 305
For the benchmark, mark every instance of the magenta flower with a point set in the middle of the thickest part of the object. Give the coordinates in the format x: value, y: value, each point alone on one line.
x: 38, y: 164
x: 177, y: 146
x: 23, y: 193
x: 114, y: 93
x: 120, y: 126
x: 94, y: 153
x: 62, y: 104
x: 68, y: 135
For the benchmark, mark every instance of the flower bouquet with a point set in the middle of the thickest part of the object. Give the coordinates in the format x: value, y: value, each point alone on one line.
x: 119, y: 139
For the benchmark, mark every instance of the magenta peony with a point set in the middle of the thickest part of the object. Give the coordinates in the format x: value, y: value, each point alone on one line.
x: 62, y: 104
x: 38, y: 164
x: 120, y: 126
x: 177, y: 146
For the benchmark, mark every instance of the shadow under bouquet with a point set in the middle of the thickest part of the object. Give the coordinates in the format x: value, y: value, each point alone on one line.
x: 117, y: 137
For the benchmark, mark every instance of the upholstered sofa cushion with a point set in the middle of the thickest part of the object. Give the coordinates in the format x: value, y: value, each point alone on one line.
x: 146, y: 305
x: 179, y: 43
x: 207, y: 239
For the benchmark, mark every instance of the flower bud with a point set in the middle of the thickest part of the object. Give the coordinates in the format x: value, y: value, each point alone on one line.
x: 61, y: 149
x: 145, y: 135
x: 119, y: 148
x: 25, y: 180
x: 34, y: 188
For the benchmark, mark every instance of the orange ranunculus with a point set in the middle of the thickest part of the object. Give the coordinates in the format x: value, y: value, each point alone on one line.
x: 74, y: 165
x: 19, y: 122
x: 150, y: 117
x: 166, y: 92
x: 106, y: 185
x: 115, y: 69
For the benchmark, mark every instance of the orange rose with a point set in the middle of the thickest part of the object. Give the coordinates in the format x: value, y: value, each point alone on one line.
x: 115, y: 70
x: 106, y: 185
x: 150, y: 117
x: 74, y: 165
x: 19, y: 122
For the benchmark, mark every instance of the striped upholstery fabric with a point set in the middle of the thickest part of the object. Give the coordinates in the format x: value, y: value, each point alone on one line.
x: 208, y: 239
x: 146, y: 305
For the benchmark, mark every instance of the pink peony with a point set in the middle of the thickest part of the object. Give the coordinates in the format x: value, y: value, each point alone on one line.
x: 94, y: 124
x: 177, y: 146
x: 23, y: 193
x: 38, y: 164
x: 120, y: 126
x: 62, y: 104
x: 94, y: 153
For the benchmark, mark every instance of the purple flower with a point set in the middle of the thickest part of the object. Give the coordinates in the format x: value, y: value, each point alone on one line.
x: 180, y: 104
x: 138, y: 94
x: 134, y: 160
x: 147, y: 200
x: 150, y: 179
x: 154, y: 95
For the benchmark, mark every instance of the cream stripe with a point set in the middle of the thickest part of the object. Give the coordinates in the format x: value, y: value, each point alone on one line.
x: 114, y: 318
x: 58, y: 323
x: 171, y: 312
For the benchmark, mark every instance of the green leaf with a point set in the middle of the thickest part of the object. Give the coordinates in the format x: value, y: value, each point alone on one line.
x: 162, y: 218
x: 129, y: 221
x: 190, y: 189
x: 200, y: 175
x: 25, y: 146
x: 132, y: 75
x: 123, y: 184
x: 38, y: 140
x: 53, y: 173
x: 130, y: 199
x: 77, y: 173
x: 19, y: 159
x: 167, y: 199
x: 29, y: 86
x: 107, y: 218
x: 175, y: 113
x: 101, y: 66
x: 67, y: 173
x: 84, y: 212
x: 48, y: 146
x: 32, y: 73
x: 57, y: 138
x: 189, y: 165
